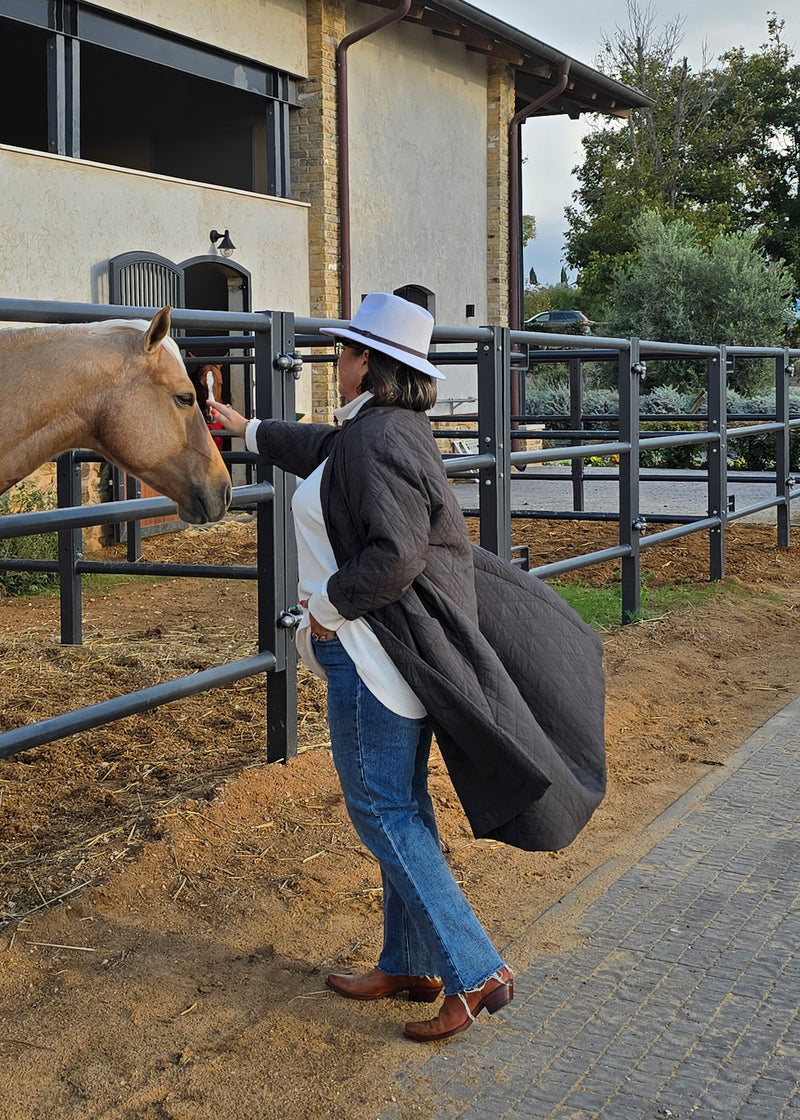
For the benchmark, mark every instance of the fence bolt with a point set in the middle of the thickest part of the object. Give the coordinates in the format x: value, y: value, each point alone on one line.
x: 640, y: 368
x: 291, y: 618
x: 487, y: 439
x: 487, y: 482
x: 290, y: 363
x: 640, y: 525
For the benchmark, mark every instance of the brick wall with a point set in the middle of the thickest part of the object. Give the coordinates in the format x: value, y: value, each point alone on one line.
x: 315, y: 165
x: 500, y: 110
x: 315, y: 180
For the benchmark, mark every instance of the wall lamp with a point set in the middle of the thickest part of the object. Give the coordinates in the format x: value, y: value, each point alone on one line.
x: 226, y: 246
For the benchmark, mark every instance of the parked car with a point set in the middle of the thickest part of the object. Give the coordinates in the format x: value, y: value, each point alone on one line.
x: 560, y: 322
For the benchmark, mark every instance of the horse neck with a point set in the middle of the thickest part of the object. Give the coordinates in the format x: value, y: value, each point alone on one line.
x: 50, y: 397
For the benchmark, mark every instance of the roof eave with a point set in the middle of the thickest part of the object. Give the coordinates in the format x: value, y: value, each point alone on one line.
x: 536, y: 63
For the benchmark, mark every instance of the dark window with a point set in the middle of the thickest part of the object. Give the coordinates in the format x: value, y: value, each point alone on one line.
x: 23, y: 86
x: 172, y: 123
x: 120, y: 92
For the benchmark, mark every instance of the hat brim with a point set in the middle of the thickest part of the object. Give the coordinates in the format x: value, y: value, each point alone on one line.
x: 421, y: 364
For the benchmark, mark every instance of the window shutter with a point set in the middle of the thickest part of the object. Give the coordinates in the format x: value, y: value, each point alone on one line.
x: 141, y: 279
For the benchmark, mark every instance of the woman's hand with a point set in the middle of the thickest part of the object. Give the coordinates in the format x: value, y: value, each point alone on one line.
x: 232, y: 421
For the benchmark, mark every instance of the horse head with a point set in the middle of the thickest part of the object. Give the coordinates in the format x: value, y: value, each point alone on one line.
x: 152, y: 426
x: 207, y: 381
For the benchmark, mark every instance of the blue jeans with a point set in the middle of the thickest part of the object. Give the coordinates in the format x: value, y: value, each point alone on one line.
x: 381, y: 758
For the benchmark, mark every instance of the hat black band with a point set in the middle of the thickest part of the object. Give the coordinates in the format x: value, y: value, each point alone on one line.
x: 389, y: 342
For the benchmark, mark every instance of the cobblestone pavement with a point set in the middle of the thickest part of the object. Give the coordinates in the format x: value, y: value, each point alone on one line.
x: 678, y: 995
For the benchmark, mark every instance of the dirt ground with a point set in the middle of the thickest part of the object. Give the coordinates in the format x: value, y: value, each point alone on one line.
x: 170, y: 904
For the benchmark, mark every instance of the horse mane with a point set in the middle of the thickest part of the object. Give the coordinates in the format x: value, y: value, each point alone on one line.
x: 104, y: 325
x: 16, y: 339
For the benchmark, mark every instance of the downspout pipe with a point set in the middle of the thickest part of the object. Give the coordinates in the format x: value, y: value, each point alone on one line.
x: 343, y: 136
x: 515, y: 195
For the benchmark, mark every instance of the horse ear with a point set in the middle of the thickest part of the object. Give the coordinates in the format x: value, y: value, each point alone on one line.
x: 157, y: 331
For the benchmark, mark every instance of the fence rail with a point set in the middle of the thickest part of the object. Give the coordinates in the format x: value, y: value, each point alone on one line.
x: 501, y: 358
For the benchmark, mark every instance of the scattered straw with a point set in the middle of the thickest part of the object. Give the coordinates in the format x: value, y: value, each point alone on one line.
x: 24, y: 1042
x: 53, y: 945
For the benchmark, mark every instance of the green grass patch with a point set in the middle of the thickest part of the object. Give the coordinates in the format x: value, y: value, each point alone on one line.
x: 26, y: 498
x: 601, y: 607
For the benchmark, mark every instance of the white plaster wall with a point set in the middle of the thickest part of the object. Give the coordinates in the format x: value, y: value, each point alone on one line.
x: 64, y: 218
x: 268, y: 31
x: 418, y: 169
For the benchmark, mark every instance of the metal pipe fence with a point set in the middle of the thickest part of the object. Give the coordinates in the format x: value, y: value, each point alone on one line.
x: 269, y: 392
x: 272, y: 340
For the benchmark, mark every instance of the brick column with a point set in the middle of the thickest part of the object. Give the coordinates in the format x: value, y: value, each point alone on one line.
x: 500, y: 110
x: 315, y: 162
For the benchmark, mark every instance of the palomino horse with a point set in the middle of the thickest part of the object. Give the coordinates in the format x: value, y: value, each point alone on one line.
x: 120, y: 388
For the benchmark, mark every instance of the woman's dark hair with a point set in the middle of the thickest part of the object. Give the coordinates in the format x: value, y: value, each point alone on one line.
x: 393, y: 382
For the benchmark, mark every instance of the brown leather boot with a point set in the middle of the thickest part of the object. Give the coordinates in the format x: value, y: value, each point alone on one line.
x: 377, y: 984
x: 460, y: 1011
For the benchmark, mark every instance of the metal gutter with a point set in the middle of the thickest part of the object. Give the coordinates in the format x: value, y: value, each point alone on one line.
x: 515, y: 194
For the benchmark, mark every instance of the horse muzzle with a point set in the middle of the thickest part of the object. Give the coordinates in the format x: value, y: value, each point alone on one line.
x: 204, y: 504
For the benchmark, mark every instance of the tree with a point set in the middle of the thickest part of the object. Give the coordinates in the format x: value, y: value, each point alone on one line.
x: 770, y: 80
x: 676, y: 289
x: 703, y: 152
x: 528, y: 228
x: 551, y: 297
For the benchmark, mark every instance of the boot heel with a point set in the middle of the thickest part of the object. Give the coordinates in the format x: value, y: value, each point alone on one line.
x: 423, y: 995
x: 499, y: 997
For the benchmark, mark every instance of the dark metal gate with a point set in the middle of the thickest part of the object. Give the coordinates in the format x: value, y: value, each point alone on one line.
x: 498, y: 355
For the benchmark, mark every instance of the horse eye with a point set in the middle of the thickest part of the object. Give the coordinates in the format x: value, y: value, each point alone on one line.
x: 185, y: 399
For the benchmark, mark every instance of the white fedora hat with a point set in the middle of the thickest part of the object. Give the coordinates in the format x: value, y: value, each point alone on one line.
x: 393, y: 326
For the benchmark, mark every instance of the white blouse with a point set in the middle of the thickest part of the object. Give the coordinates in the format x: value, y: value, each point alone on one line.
x: 316, y: 563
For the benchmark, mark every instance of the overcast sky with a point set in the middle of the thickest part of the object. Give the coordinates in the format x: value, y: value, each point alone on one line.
x: 553, y: 146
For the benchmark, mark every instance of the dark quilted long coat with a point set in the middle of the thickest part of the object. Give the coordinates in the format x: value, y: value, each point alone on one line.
x: 510, y: 675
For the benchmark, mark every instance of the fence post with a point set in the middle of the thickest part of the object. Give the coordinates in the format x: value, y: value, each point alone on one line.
x: 277, y: 559
x: 575, y: 421
x: 133, y: 551
x: 70, y: 550
x: 717, y: 384
x: 783, y: 370
x: 494, y: 435
x: 631, y: 523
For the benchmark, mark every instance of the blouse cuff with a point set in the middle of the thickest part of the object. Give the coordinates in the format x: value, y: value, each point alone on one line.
x: 250, y: 435
x: 323, y: 610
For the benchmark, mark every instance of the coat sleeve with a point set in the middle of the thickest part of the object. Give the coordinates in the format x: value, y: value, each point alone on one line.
x: 390, y: 502
x: 295, y: 447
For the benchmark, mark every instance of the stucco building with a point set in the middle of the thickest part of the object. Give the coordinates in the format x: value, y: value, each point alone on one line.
x: 339, y: 163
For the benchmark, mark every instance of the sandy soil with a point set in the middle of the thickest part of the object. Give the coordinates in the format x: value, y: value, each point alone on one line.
x: 170, y: 905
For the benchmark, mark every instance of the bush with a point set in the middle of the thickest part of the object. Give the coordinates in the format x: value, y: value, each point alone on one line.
x: 676, y: 289
x: 755, y: 453
x: 26, y: 498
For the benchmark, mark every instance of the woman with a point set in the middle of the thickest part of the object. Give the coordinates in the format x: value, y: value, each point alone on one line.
x: 389, y: 584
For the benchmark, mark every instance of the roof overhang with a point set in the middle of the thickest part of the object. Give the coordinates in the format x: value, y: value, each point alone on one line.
x: 536, y: 64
